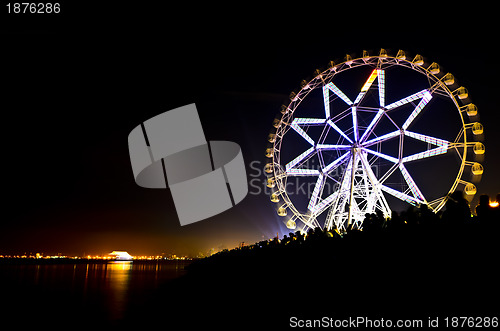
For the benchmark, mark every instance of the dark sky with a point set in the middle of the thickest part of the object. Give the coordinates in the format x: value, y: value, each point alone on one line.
x: 73, y: 87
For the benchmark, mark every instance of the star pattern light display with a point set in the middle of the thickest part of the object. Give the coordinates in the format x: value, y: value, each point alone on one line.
x: 360, y: 191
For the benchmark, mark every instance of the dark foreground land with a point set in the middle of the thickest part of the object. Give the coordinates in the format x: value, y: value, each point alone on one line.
x: 418, y: 265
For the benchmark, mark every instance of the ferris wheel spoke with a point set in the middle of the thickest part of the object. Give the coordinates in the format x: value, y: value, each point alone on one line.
x: 355, y: 123
x: 370, y: 127
x: 430, y: 153
x: 336, y: 128
x: 336, y: 162
x: 299, y: 158
x: 318, y: 187
x: 411, y: 183
x: 303, y: 172
x: 400, y: 195
x: 338, y: 92
x: 332, y: 147
x: 381, y: 87
x: 381, y: 138
x: 408, y: 99
x: 302, y: 133
x: 427, y: 139
x: 387, y: 157
x: 425, y: 99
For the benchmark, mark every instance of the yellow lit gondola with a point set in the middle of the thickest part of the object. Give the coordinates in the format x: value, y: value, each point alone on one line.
x: 418, y: 60
x: 462, y: 93
x: 470, y: 189
x: 477, y: 169
x: 449, y: 79
x: 291, y: 224
x: 275, y: 197
x: 268, y: 168
x: 434, y: 68
x: 477, y: 128
x: 471, y: 109
x: 401, y: 55
x: 269, y: 152
x: 479, y: 148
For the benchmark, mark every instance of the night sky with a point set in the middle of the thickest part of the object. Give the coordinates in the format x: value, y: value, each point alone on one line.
x: 73, y: 87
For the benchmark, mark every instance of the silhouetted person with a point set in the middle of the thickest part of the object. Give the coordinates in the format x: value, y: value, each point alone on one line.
x: 457, y: 209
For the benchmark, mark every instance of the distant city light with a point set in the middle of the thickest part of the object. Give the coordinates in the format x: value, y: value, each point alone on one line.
x: 494, y: 204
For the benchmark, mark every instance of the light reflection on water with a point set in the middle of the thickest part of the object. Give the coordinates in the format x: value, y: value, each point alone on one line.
x: 98, y: 291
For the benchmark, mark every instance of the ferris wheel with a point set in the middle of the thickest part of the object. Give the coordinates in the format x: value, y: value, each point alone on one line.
x: 368, y: 133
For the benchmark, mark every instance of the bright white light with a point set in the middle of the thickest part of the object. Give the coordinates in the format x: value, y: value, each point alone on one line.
x: 372, y: 123
x: 355, y: 122
x: 299, y: 158
x: 432, y: 152
x: 303, y: 172
x: 339, y: 93
x: 381, y: 87
x: 408, y: 99
x: 334, y: 147
x: 326, y: 101
x: 416, y: 111
x: 334, y: 163
x: 399, y: 195
x: 121, y: 255
x: 317, y: 188
x: 309, y: 121
x: 336, y: 128
x: 387, y: 157
x: 384, y: 137
x: 300, y: 131
x: 359, y: 97
x: 324, y: 203
x: 427, y: 139
x: 411, y: 183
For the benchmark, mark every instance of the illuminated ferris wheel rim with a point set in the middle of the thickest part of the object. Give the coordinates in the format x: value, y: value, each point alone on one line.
x: 357, y: 148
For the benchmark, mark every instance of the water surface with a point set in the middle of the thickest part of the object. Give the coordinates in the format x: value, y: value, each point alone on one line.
x: 81, y: 292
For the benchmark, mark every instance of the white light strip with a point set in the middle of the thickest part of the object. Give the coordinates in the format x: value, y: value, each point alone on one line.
x: 381, y: 87
x: 411, y: 183
x: 316, y: 190
x: 339, y: 131
x: 324, y: 203
x: 372, y: 123
x: 299, y: 158
x: 359, y: 97
x: 339, y: 93
x: 427, y: 139
x: 432, y: 152
x: 303, y: 172
x: 400, y: 195
x: 386, y: 136
x: 387, y: 157
x: 410, y: 98
x: 334, y: 163
x: 335, y: 147
x: 416, y: 111
x: 355, y: 123
x: 326, y: 101
x: 309, y: 121
x: 304, y: 135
